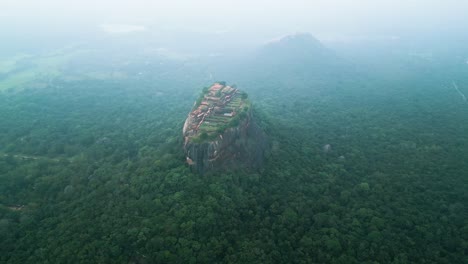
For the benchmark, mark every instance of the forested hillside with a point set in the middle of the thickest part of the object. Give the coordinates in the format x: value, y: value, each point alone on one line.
x: 362, y: 169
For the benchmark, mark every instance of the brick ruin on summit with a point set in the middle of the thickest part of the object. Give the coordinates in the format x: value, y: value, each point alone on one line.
x: 218, y: 105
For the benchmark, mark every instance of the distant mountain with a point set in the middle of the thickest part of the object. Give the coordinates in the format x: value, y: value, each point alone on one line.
x: 296, y: 62
x: 295, y: 47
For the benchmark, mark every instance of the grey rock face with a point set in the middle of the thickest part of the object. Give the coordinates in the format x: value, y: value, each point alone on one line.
x: 240, y: 147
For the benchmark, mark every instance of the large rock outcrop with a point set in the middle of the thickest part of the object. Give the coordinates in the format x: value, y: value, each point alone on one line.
x: 221, y: 133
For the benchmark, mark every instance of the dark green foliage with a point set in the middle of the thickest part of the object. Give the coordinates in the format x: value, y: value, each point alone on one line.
x: 235, y: 121
x: 99, y: 170
x: 203, y: 136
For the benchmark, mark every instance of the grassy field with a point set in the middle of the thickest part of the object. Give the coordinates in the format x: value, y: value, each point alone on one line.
x: 9, y: 64
x: 20, y: 70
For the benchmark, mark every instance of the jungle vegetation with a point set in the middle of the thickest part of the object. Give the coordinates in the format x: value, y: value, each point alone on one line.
x: 364, y: 168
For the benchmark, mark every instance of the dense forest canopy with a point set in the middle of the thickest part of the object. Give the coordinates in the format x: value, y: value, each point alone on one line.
x: 368, y: 161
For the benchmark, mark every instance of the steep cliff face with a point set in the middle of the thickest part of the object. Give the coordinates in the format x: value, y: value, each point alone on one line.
x: 222, y: 135
x: 243, y: 146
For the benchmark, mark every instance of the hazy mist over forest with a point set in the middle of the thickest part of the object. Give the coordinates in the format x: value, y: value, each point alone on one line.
x: 234, y: 131
x: 194, y: 25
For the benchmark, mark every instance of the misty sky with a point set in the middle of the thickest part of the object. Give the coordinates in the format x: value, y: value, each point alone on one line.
x: 320, y: 17
x: 200, y: 23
